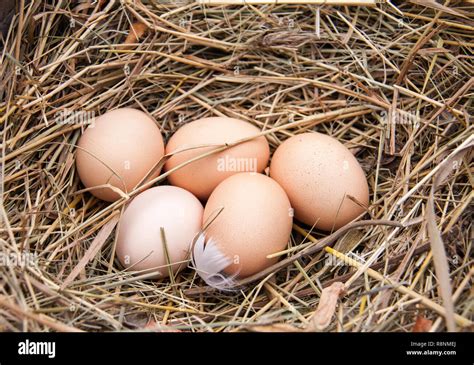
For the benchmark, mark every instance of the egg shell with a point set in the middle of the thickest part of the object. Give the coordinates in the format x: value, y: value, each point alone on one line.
x: 139, y: 243
x: 120, y: 147
x: 202, y: 176
x: 318, y: 174
x: 256, y: 221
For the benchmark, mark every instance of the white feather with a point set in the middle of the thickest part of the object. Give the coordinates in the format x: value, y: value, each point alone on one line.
x: 209, y: 261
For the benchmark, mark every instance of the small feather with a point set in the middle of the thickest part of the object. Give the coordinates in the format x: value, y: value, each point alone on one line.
x: 209, y: 261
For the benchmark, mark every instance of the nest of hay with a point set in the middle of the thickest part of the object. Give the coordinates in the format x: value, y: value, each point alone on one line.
x: 392, y: 82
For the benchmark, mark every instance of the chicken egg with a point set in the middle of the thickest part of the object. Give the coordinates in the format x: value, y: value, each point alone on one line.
x: 202, y: 176
x: 320, y: 175
x: 119, y: 148
x: 140, y: 245
x: 252, y: 219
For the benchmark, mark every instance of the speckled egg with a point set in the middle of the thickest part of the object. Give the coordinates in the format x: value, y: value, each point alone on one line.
x: 320, y: 176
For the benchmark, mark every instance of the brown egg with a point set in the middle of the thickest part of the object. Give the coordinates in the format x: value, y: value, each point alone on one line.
x: 256, y: 221
x: 202, y: 176
x: 139, y: 241
x: 319, y: 174
x: 119, y: 148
